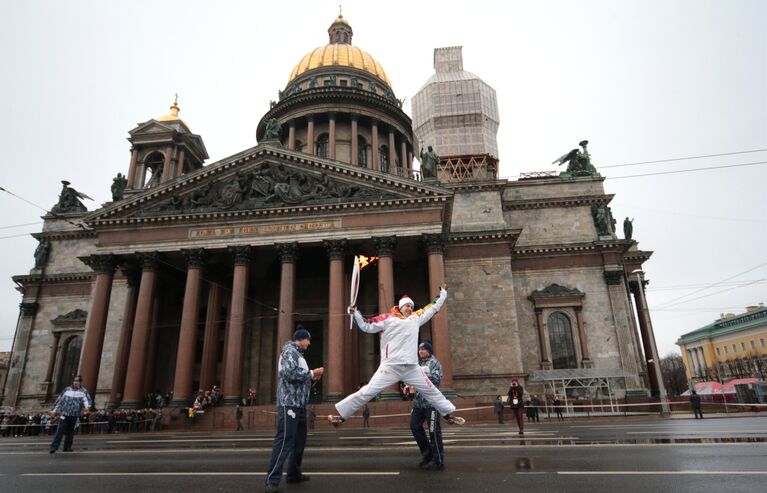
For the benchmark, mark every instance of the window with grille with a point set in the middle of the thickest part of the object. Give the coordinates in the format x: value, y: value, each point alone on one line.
x: 561, y: 342
x: 323, y: 144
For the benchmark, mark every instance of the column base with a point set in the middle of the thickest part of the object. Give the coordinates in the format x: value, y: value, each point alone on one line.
x: 132, y: 404
x: 232, y: 400
x: 546, y: 365
x: 180, y: 402
x: 389, y: 396
x: 112, y: 405
x: 587, y: 363
x: 334, y: 397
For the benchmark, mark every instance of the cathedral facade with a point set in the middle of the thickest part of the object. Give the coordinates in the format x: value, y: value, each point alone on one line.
x: 195, y: 275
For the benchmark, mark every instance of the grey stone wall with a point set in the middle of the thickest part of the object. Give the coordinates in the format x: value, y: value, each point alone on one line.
x: 552, y: 225
x: 477, y: 211
x: 482, y: 320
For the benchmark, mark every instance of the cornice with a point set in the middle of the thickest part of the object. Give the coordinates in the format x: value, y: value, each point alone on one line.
x: 26, y: 280
x: 479, y: 186
x: 551, y: 202
x: 594, y: 247
x: 640, y: 256
x: 507, y: 235
x: 64, y: 235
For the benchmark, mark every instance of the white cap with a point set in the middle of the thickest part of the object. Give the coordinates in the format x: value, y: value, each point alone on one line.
x: 405, y: 300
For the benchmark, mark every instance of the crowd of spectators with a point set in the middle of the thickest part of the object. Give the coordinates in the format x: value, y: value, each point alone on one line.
x: 91, y: 422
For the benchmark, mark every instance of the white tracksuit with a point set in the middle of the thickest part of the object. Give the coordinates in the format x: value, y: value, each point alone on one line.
x: 399, y: 359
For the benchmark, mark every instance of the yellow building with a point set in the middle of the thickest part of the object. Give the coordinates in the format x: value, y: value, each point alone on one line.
x: 735, y: 346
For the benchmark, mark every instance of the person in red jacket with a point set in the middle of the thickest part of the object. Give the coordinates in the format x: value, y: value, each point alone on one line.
x: 517, y: 403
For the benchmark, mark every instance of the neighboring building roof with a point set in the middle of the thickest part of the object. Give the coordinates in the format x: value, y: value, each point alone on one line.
x: 727, y: 325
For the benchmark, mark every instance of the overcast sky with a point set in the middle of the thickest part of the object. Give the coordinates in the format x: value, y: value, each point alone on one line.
x: 642, y: 80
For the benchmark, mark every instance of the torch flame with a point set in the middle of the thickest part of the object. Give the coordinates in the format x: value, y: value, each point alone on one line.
x: 365, y: 261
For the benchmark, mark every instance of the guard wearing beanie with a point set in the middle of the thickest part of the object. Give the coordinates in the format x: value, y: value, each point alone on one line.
x: 432, y: 449
x: 399, y: 357
x: 69, y: 405
x: 295, y: 384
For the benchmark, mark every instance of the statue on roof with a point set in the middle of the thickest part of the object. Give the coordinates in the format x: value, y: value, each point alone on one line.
x: 119, y: 183
x: 69, y: 200
x: 272, y: 131
x: 429, y: 162
x: 628, y: 228
x: 578, y: 162
x: 41, y: 253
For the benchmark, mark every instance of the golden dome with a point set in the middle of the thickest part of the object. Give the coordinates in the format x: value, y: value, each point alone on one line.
x: 340, y: 55
x: 174, y: 109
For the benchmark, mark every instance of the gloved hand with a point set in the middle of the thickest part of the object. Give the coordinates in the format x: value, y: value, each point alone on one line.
x: 351, y: 309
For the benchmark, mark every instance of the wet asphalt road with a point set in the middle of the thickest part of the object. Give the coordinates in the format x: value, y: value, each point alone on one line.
x: 626, y: 455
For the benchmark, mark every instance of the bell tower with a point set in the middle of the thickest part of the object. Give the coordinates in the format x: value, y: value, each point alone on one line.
x: 163, y: 149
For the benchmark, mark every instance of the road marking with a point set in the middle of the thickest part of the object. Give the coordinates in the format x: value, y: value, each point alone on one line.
x: 185, y: 440
x: 210, y: 473
x: 701, y: 432
x: 656, y: 473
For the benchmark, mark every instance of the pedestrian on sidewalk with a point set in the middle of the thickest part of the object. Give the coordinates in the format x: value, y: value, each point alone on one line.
x: 366, y: 416
x: 295, y: 382
x: 238, y: 415
x: 499, y: 409
x: 517, y: 403
x: 535, y: 404
x: 558, y: 407
x: 70, y: 405
x: 695, y: 403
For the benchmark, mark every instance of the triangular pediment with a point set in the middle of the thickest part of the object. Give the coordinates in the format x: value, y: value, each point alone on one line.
x: 268, y: 179
x: 152, y: 127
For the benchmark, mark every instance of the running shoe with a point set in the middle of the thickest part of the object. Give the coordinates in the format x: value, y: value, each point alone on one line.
x: 336, y: 420
x: 454, y: 420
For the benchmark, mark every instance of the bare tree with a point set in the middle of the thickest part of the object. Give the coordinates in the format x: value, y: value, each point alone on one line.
x: 673, y: 373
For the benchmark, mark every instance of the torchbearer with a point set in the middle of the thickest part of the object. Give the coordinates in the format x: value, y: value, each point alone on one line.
x: 399, y: 358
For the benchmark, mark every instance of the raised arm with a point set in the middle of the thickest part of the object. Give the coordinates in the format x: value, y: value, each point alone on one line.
x: 373, y: 325
x: 425, y: 314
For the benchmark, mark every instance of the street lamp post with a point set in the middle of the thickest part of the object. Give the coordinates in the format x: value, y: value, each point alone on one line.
x: 665, y: 409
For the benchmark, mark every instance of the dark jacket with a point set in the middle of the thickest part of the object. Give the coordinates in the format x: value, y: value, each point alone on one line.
x: 433, y: 369
x: 695, y: 400
x: 295, y: 378
x: 519, y: 393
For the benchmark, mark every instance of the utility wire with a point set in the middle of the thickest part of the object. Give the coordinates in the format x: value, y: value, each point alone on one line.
x: 14, y: 236
x: 687, y: 170
x: 712, y: 285
x: 681, y: 158
x: 20, y: 225
x: 57, y: 216
x: 712, y: 294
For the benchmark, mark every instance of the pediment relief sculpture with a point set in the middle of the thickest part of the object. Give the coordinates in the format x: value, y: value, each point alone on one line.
x: 272, y: 185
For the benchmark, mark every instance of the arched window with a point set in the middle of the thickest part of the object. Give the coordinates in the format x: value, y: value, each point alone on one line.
x: 323, y: 143
x: 362, y: 151
x: 561, y: 342
x: 153, y: 164
x: 383, y: 153
x: 69, y: 362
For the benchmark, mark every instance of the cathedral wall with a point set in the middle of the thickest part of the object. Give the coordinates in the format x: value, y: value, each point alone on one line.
x: 32, y: 392
x: 63, y: 255
x: 552, y: 225
x: 553, y: 188
x: 598, y: 319
x: 482, y: 319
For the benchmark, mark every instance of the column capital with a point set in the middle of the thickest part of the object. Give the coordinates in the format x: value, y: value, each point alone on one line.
x: 288, y: 252
x: 435, y: 243
x: 28, y: 309
x: 354, y: 116
x: 242, y: 255
x: 613, y: 277
x: 102, y: 264
x: 132, y: 276
x: 292, y: 123
x: 149, y: 260
x: 385, y: 245
x: 336, y: 248
x: 195, y: 258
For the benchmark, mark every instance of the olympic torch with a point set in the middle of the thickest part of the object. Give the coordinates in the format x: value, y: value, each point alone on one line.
x: 360, y: 262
